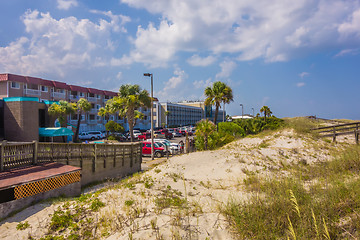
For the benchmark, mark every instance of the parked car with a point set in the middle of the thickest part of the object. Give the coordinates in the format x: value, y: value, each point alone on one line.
x: 137, y: 133
x: 172, y: 147
x: 158, y: 151
x: 166, y: 133
x: 92, y: 135
x: 144, y: 136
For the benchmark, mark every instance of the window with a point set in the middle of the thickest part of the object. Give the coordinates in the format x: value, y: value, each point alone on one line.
x: 44, y: 88
x: 15, y: 85
x: 98, y: 106
x: 81, y: 94
x: 61, y: 90
x: 98, y: 96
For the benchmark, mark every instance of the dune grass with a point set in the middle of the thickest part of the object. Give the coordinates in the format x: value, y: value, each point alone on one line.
x: 320, y: 201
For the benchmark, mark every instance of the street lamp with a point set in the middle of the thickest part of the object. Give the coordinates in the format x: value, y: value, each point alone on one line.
x: 242, y: 111
x: 253, y: 112
x: 151, y: 115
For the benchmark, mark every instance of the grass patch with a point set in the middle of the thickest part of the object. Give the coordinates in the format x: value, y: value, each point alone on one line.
x: 320, y: 201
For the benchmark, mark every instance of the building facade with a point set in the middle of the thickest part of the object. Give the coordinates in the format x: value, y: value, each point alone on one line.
x: 48, y: 91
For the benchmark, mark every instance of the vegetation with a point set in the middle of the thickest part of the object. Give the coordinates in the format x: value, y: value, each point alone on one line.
x: 217, y: 94
x: 266, y: 111
x: 318, y: 201
x: 82, y: 106
x: 229, y: 131
x: 130, y: 98
x: 61, y: 110
x: 204, y: 129
x: 113, y: 126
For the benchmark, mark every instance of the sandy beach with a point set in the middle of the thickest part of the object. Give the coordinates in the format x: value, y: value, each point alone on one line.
x: 178, y: 199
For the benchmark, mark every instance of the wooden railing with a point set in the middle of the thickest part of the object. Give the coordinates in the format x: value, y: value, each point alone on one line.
x: 14, y: 155
x: 338, y: 130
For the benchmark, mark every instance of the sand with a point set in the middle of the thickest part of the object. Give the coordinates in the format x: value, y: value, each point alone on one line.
x: 207, y: 180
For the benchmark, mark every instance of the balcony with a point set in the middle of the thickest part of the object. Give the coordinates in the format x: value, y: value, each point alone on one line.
x: 92, y: 99
x: 92, y: 121
x: 32, y: 92
x: 93, y: 111
x: 58, y: 95
x: 74, y: 97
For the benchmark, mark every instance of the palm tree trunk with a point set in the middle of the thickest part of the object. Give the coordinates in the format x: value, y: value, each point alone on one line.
x: 130, y: 117
x: 216, y: 113
x: 77, y: 128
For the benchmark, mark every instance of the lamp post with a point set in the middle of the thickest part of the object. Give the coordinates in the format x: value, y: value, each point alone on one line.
x: 253, y: 112
x: 151, y: 115
x: 242, y: 111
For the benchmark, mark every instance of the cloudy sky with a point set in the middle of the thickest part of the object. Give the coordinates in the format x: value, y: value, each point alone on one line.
x: 297, y: 57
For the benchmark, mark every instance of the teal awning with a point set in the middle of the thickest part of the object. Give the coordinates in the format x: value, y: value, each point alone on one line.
x: 55, y: 132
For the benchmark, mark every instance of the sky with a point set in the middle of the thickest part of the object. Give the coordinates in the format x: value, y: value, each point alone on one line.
x: 299, y: 58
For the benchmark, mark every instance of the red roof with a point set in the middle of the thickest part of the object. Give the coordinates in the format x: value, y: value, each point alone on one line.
x: 61, y: 85
x: 109, y: 93
x: 78, y: 89
x: 96, y: 91
x: 12, y: 77
x: 51, y: 83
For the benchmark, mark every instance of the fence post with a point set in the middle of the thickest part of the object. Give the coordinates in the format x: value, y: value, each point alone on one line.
x: 334, y: 136
x: 35, y: 152
x: 114, y: 155
x: 2, y: 156
x: 67, y: 154
x: 357, y: 136
x: 140, y: 146
x: 95, y: 158
x: 131, y: 155
x: 81, y: 156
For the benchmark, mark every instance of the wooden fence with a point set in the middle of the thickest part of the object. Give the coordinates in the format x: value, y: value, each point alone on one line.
x: 14, y: 155
x: 338, y: 130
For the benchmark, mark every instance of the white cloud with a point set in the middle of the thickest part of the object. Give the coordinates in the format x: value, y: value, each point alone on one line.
x: 226, y: 69
x: 273, y: 30
x: 300, y: 84
x: 119, y: 75
x: 346, y: 52
x: 196, y: 60
x: 202, y: 84
x: 304, y: 74
x: 176, y: 80
x: 351, y: 27
x: 66, y: 4
x: 57, y: 46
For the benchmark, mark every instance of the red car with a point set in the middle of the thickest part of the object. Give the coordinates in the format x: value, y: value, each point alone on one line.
x: 166, y: 133
x: 144, y: 136
x: 158, y: 151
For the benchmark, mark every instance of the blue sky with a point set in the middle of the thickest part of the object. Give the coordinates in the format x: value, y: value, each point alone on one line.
x: 297, y: 57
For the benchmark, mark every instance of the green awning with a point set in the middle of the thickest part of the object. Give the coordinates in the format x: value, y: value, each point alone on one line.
x: 55, y: 132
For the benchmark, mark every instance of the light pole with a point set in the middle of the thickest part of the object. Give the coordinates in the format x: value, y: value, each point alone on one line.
x: 242, y: 111
x: 253, y: 112
x: 151, y: 115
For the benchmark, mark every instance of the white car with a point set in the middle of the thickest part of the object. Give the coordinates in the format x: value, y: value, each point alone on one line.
x: 173, y: 147
x: 137, y: 133
x: 92, y: 135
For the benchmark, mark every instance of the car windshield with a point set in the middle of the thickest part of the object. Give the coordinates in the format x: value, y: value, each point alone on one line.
x: 157, y: 145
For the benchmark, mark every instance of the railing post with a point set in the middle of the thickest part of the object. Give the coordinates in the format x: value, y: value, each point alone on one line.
x: 114, y: 155
x: 334, y: 136
x: 357, y: 136
x: 95, y: 158
x: 131, y: 155
x: 2, y: 156
x: 67, y: 154
x: 35, y: 153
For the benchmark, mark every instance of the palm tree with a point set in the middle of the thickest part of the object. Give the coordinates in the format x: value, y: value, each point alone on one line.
x: 266, y: 111
x: 60, y: 110
x: 204, y: 128
x: 217, y: 94
x: 82, y: 106
x: 130, y: 98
